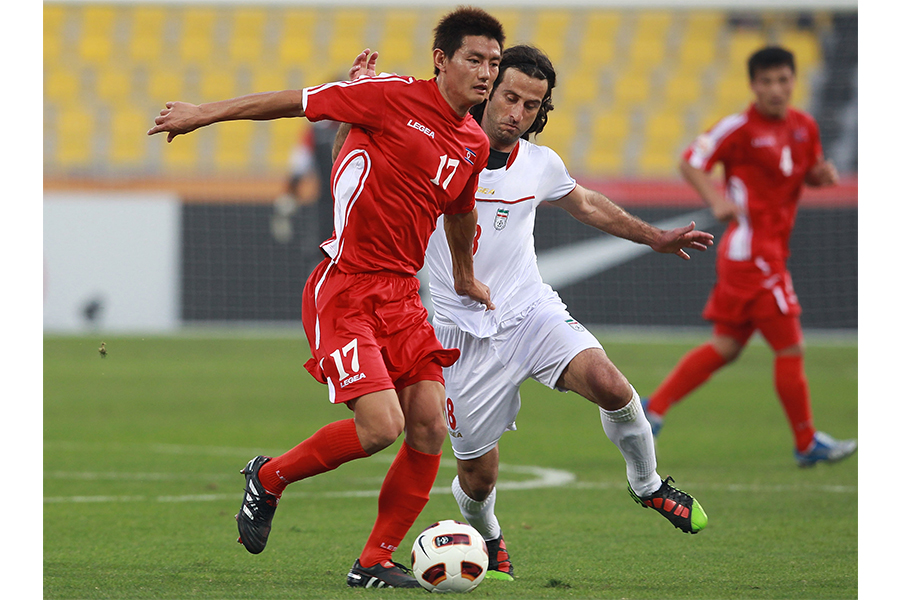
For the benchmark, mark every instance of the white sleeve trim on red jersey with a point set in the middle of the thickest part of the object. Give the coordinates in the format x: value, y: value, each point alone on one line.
x: 383, y: 77
x: 707, y: 143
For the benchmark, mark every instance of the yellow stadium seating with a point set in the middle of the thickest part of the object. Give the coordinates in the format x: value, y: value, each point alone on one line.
x: 347, y: 38
x: 62, y: 84
x: 115, y: 64
x: 232, y: 146
x: 282, y: 136
x: 297, y: 36
x: 577, y: 87
x: 398, y: 41
x: 681, y: 89
x: 55, y: 18
x: 741, y: 44
x: 597, y: 47
x: 551, y: 32
x: 218, y: 84
x: 559, y: 133
x: 663, y: 140
x: 128, y: 141
x: 247, y: 41
x: 805, y: 46
x: 198, y: 27
x: 75, y: 134
x: 165, y: 84
x: 649, y: 41
x: 112, y: 83
x: 146, y: 38
x: 631, y: 88
x: 182, y: 156
x: 97, y: 41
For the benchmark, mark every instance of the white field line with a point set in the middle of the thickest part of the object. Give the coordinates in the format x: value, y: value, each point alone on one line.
x: 541, y: 478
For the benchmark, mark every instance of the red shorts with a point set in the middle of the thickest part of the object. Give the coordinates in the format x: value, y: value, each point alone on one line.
x: 750, y: 296
x: 369, y: 332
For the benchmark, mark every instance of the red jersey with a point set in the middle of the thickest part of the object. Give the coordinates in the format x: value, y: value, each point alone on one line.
x: 409, y: 159
x: 766, y: 161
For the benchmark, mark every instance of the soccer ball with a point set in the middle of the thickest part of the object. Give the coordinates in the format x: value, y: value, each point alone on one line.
x: 449, y: 557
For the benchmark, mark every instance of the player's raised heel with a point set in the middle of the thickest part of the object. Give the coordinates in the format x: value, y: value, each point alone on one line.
x: 825, y: 448
x: 499, y: 565
x: 678, y: 507
x: 254, y: 520
x: 381, y: 576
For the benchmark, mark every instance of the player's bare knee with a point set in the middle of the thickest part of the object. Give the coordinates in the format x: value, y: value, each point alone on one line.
x: 376, y: 435
x: 477, y: 485
x: 427, y: 433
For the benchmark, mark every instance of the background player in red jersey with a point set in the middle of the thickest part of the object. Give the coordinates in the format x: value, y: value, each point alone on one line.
x: 413, y: 154
x: 769, y: 152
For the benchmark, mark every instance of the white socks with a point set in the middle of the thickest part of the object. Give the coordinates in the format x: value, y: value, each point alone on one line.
x: 630, y: 431
x: 479, y: 515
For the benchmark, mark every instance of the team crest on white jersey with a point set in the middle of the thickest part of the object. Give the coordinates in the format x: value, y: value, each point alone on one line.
x: 500, y: 218
x: 575, y: 325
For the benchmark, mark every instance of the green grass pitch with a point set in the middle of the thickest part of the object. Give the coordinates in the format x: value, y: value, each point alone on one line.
x: 142, y: 450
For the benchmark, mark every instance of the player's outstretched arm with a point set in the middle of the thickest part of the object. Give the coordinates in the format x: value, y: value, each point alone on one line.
x: 178, y: 118
x: 460, y: 230
x: 594, y: 209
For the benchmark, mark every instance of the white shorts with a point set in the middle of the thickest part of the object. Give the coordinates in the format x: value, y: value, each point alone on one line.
x: 483, y: 385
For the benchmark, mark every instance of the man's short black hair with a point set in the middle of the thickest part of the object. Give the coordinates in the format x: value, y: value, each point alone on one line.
x: 768, y: 57
x: 531, y: 62
x: 465, y: 20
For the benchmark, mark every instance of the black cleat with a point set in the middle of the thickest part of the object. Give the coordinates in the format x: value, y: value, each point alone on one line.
x: 379, y: 576
x: 499, y: 566
x: 678, y: 507
x: 255, y: 517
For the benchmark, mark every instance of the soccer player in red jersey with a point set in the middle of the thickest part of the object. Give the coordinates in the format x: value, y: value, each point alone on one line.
x: 413, y: 154
x: 768, y: 152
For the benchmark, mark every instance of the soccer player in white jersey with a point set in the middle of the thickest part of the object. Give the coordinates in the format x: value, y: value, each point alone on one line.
x: 530, y: 333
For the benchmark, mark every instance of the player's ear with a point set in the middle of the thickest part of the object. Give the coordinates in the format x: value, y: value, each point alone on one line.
x: 440, y: 59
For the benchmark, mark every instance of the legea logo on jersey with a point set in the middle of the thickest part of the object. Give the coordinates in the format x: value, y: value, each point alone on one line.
x: 575, y: 325
x: 420, y: 127
x: 500, y: 218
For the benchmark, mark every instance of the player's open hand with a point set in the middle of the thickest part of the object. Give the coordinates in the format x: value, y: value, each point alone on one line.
x: 363, y: 65
x: 822, y: 173
x: 177, y: 118
x: 676, y: 241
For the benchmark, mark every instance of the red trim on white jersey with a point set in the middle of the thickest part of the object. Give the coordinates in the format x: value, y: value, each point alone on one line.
x: 499, y: 201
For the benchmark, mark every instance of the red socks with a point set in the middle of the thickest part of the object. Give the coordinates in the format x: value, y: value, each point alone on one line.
x: 404, y: 494
x: 694, y: 369
x: 326, y: 449
x: 793, y: 391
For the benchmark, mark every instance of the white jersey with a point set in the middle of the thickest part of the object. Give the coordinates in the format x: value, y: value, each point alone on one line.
x: 505, y: 260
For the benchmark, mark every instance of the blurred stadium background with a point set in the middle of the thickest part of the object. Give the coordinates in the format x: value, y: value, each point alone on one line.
x: 140, y: 235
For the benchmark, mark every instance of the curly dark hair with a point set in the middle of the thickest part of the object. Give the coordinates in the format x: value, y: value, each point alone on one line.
x: 465, y: 20
x: 531, y: 62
